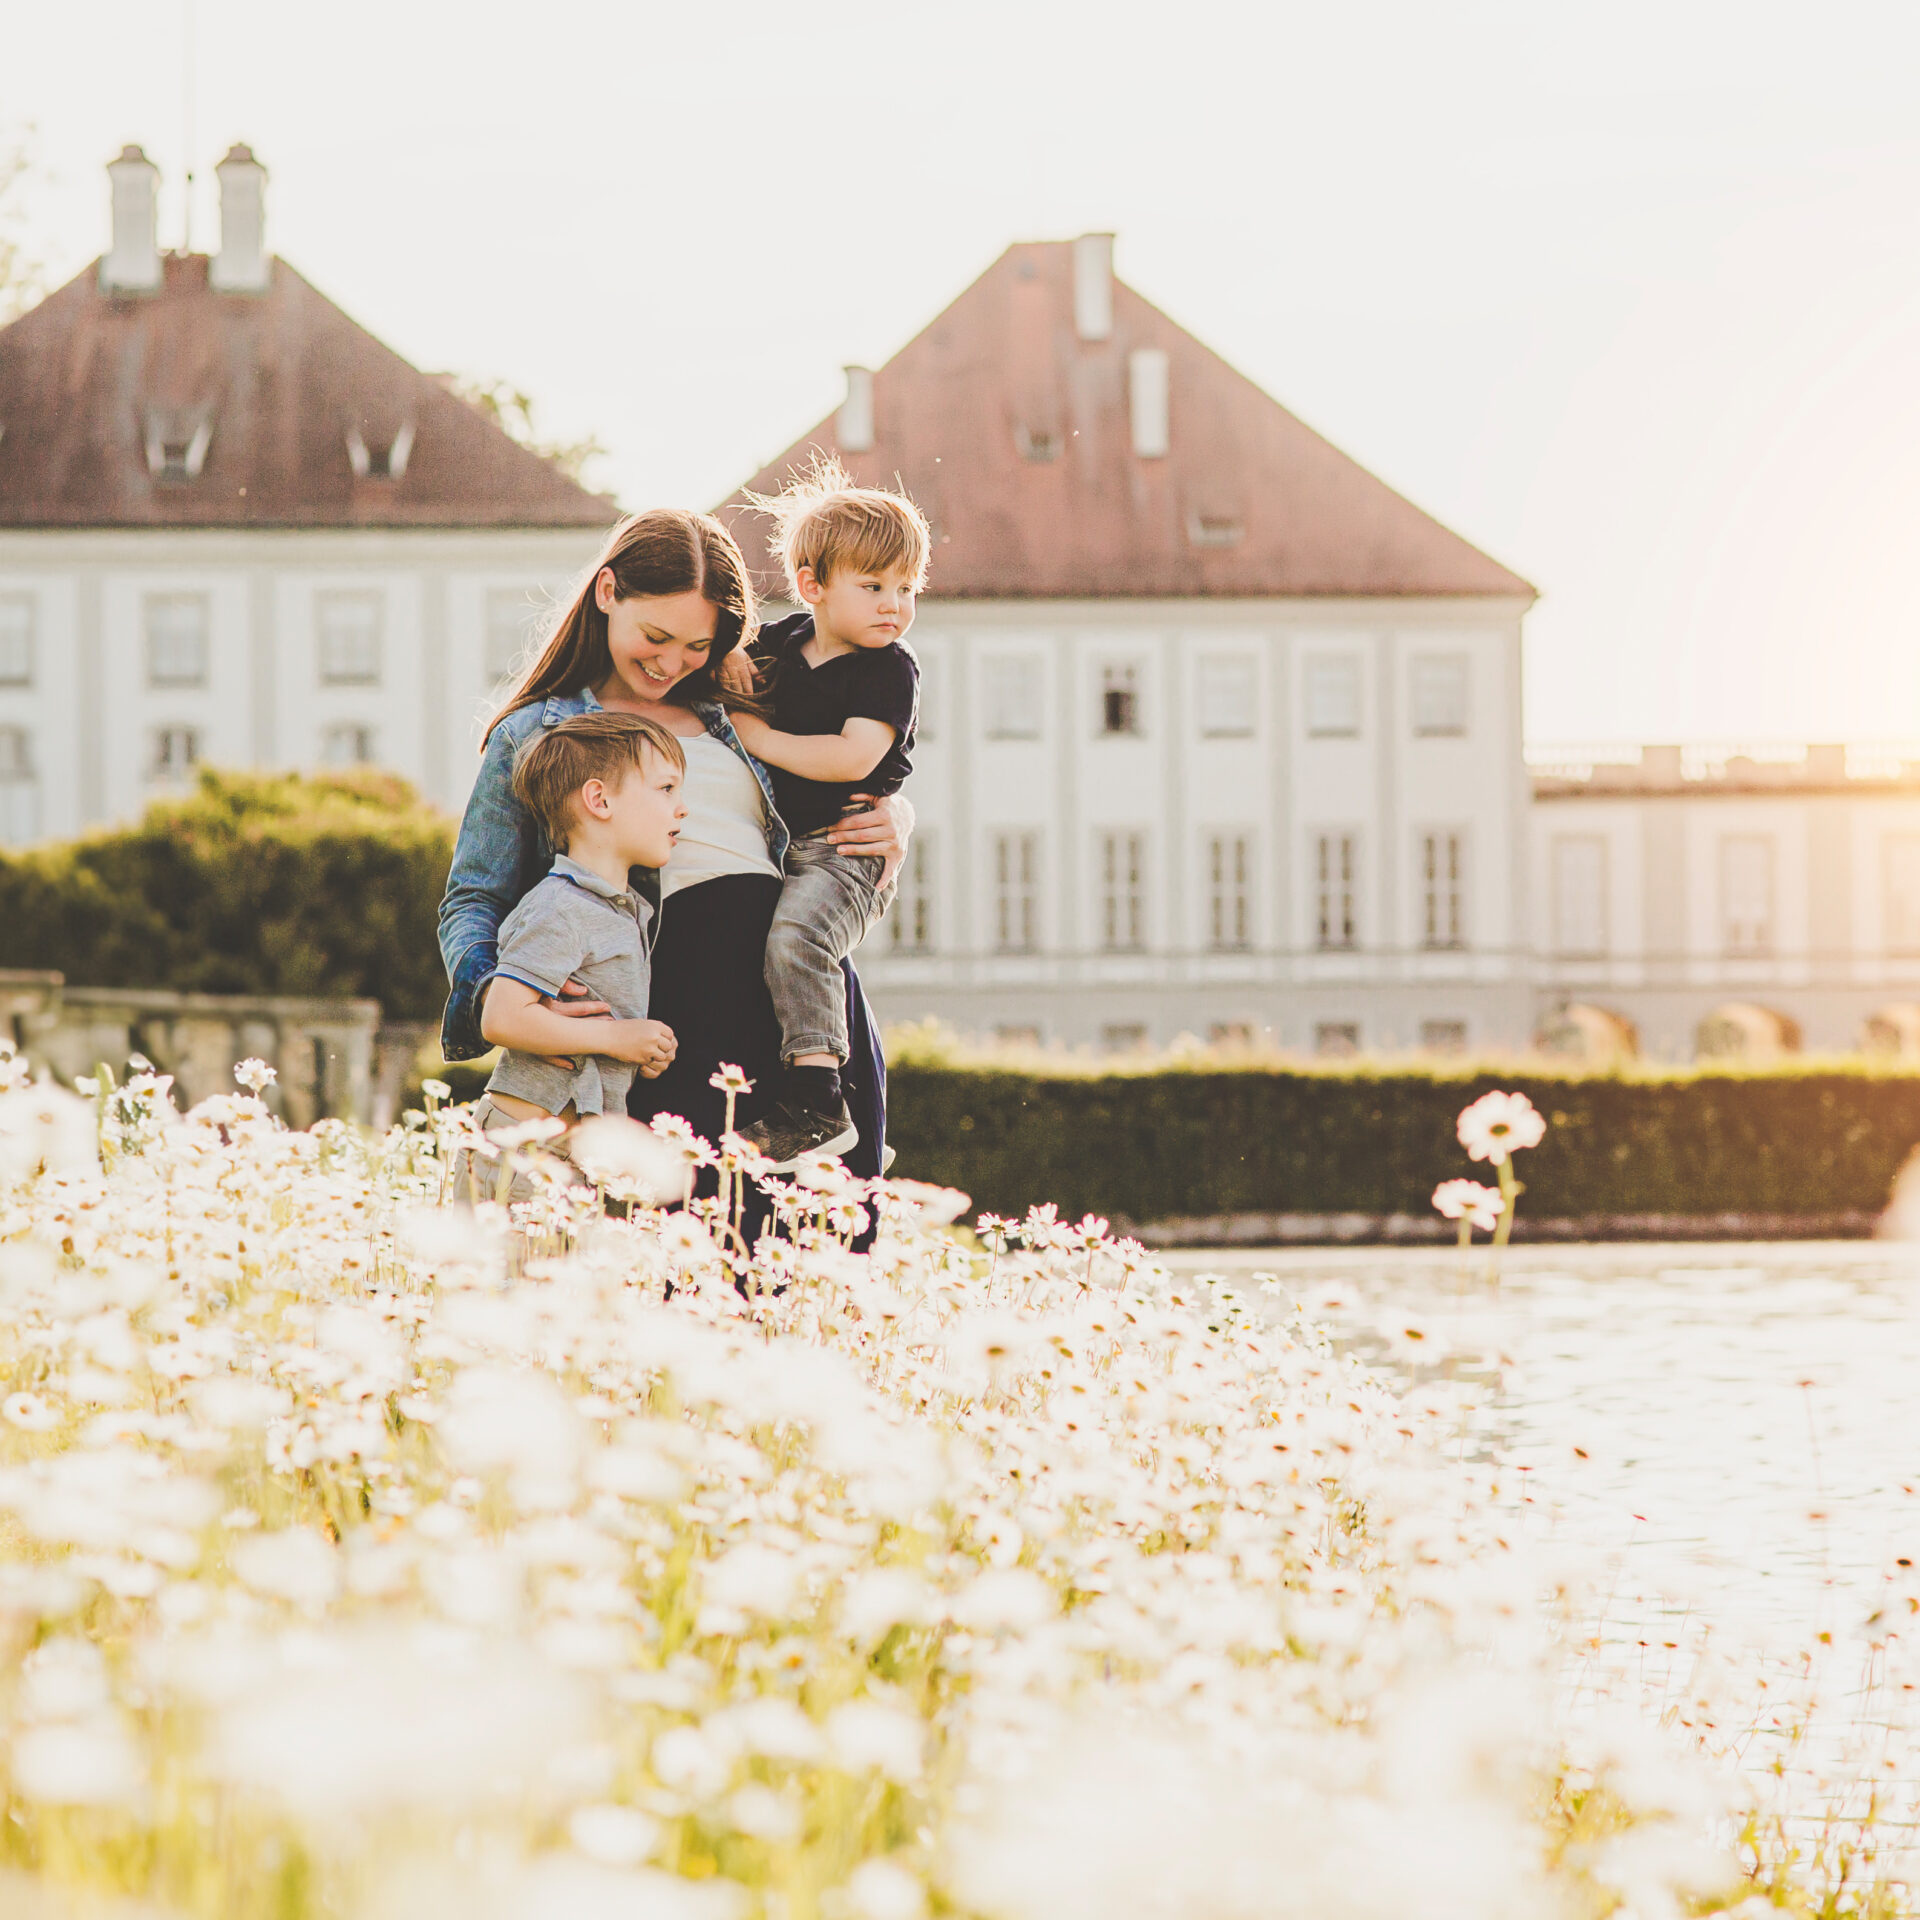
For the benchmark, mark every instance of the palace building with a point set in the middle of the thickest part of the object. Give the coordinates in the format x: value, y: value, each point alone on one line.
x: 1220, y: 736
x: 236, y: 529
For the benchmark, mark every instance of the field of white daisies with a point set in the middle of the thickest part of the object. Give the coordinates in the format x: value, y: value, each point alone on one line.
x: 370, y: 1547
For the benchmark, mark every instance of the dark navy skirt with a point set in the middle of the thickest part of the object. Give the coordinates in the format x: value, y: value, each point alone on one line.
x: 709, y: 987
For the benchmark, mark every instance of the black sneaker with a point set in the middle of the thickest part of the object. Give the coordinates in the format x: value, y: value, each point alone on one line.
x: 789, y: 1132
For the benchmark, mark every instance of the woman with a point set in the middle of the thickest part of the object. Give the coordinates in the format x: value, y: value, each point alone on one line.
x: 667, y: 602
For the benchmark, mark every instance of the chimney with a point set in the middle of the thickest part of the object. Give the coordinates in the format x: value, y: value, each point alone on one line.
x: 243, y: 264
x: 1147, y: 392
x: 132, y: 263
x: 854, y: 426
x: 1093, y: 286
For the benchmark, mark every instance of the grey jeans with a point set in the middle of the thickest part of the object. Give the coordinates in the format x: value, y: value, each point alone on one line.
x: 827, y: 905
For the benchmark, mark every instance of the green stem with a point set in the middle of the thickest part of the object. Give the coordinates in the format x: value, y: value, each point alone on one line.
x: 1510, y: 1192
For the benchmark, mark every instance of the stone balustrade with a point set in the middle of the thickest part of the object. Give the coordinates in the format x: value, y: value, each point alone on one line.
x: 333, y: 1057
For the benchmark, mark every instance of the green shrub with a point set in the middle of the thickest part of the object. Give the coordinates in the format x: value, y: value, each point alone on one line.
x: 251, y: 883
x: 1164, y: 1143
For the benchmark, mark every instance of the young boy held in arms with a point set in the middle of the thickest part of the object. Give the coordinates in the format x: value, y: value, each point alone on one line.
x: 843, y: 699
x: 605, y: 788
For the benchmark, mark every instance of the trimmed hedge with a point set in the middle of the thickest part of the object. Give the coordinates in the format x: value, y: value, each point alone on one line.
x: 1172, y: 1143
x: 251, y: 883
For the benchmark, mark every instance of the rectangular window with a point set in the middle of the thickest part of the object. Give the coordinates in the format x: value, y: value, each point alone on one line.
x: 19, y: 789
x: 349, y: 628
x: 16, y: 639
x: 1231, y: 1036
x: 1123, y: 900
x: 1336, y: 1039
x: 177, y: 626
x: 1580, y: 895
x: 1333, y: 697
x: 1016, y: 1036
x: 1746, y: 893
x: 508, y: 640
x: 1120, y: 699
x: 176, y: 752
x: 1123, y: 1036
x: 1227, y: 695
x: 1443, y: 1036
x: 1903, y: 893
x: 1229, y: 892
x: 1443, y: 891
x: 348, y: 743
x: 911, y: 918
x: 1016, y: 896
x: 1011, y: 685
x: 1439, y: 690
x: 1336, y: 888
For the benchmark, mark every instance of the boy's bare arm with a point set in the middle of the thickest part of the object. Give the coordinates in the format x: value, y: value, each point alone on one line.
x: 850, y: 754
x: 515, y: 1016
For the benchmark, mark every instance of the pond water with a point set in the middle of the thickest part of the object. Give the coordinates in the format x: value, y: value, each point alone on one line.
x: 1728, y: 1436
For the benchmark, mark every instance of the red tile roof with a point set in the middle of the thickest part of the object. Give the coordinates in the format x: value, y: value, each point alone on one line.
x: 281, y: 378
x: 1004, y: 363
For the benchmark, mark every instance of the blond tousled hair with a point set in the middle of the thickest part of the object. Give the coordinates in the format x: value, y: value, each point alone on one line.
x: 823, y: 521
x: 601, y: 746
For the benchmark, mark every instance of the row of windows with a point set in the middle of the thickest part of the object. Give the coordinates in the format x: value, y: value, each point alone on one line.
x: 1015, y: 870
x: 349, y: 632
x: 1748, y: 926
x: 1336, y: 1038
x: 1226, y: 688
x: 177, y: 631
x: 172, y: 754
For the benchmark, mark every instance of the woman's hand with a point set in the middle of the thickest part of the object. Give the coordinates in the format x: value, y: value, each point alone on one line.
x: 885, y: 828
x: 513, y: 1015
x: 737, y: 673
x: 572, y: 1000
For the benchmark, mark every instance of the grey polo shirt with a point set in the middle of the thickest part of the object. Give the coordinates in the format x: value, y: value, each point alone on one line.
x: 573, y: 926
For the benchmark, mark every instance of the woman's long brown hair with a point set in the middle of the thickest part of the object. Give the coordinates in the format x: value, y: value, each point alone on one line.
x: 665, y: 550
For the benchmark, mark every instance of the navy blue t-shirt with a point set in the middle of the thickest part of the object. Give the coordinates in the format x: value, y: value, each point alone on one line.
x: 869, y: 683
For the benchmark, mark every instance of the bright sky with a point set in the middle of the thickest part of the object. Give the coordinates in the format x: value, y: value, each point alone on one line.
x: 1629, y: 294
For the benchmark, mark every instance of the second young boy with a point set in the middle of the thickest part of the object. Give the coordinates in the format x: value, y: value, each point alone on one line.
x: 605, y: 788
x: 843, y: 700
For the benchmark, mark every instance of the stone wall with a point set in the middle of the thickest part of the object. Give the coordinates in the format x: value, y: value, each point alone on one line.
x: 333, y: 1057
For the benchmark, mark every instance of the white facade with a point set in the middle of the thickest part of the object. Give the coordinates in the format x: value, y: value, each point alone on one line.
x: 1727, y: 900
x: 1299, y: 835
x: 1290, y: 822
x: 128, y: 658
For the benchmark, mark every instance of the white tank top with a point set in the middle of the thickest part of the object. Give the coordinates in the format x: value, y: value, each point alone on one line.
x: 725, y: 830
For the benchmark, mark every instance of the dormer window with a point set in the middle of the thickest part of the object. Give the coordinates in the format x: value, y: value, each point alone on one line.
x: 387, y: 462
x: 1037, y: 443
x: 1215, y: 530
x: 177, y: 445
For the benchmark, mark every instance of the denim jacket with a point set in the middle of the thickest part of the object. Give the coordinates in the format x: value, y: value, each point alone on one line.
x: 502, y: 854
